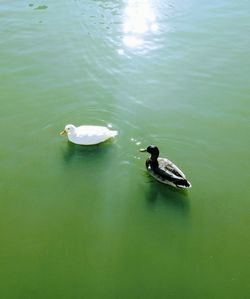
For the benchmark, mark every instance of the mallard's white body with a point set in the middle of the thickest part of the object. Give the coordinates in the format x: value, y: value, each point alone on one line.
x: 88, y: 135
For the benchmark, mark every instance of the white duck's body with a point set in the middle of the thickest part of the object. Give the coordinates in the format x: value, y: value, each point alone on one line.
x: 88, y: 135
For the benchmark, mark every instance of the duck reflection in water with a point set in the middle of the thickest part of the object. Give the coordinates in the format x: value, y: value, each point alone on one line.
x: 176, y: 199
x: 85, y: 154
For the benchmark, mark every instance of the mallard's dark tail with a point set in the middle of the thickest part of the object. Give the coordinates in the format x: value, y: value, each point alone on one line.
x: 182, y: 183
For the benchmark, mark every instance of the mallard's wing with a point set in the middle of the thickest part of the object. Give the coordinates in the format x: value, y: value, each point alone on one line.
x: 164, y: 176
x: 169, y: 178
x: 170, y: 168
x: 171, y: 174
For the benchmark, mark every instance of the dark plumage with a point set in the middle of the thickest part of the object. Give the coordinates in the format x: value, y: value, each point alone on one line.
x: 163, y: 170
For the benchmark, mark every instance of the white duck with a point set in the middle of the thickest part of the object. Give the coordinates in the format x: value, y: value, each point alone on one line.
x: 88, y: 135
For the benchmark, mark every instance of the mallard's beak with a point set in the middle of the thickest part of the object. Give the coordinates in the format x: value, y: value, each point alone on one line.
x: 143, y: 150
x: 63, y: 132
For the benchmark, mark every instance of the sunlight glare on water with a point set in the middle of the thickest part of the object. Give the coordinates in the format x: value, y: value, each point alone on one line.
x: 139, y: 21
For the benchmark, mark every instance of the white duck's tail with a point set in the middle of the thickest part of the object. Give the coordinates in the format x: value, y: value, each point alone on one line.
x: 113, y: 133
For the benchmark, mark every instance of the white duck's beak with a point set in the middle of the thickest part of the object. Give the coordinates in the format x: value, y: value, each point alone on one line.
x: 143, y: 150
x: 63, y: 132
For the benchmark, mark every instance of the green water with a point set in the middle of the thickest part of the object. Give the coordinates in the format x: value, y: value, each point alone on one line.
x: 88, y: 222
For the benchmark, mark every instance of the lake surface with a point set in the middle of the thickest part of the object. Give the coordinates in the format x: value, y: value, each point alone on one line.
x: 88, y: 222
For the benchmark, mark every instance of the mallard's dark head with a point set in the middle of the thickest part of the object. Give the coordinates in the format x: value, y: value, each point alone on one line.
x: 151, y: 149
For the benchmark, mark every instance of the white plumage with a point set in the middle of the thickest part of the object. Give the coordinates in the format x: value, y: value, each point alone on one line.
x: 88, y: 135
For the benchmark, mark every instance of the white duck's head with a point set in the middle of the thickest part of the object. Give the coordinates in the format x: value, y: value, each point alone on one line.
x: 69, y: 129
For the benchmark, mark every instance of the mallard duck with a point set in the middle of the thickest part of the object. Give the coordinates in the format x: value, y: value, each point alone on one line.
x: 88, y: 135
x: 164, y: 170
